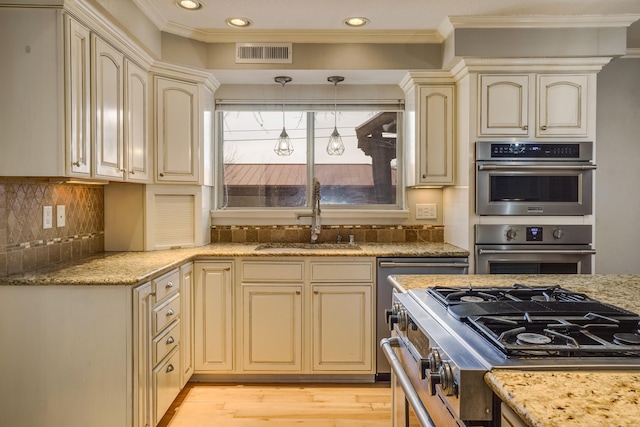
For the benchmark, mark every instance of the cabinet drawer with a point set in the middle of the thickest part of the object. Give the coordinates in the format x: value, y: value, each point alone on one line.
x: 165, y: 342
x: 166, y: 285
x: 352, y: 271
x: 166, y: 383
x: 272, y: 271
x: 166, y: 313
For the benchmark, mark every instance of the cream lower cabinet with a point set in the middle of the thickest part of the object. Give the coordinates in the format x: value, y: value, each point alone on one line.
x: 187, y: 303
x: 342, y: 315
x: 342, y: 327
x: 213, y: 316
x: 306, y: 316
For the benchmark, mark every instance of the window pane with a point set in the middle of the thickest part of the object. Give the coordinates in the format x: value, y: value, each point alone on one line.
x: 254, y: 175
x: 365, y: 173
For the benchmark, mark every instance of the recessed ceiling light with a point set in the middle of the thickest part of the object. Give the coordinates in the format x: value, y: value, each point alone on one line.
x: 237, y: 22
x: 189, y: 4
x: 356, y: 22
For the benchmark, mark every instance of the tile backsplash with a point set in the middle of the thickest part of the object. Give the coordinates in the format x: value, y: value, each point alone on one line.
x: 25, y: 244
x: 329, y: 234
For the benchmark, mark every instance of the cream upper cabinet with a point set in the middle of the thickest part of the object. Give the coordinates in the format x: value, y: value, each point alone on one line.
x: 436, y: 143
x: 137, y: 143
x: 562, y: 105
x: 213, y: 316
x: 108, y: 90
x: 78, y: 98
x: 177, y: 131
x: 429, y: 137
x: 504, y: 105
x: 535, y: 105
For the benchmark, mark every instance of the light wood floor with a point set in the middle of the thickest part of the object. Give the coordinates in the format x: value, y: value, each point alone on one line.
x: 281, y: 405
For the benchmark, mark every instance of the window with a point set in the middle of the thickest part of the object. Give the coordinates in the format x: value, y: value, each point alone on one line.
x: 254, y: 176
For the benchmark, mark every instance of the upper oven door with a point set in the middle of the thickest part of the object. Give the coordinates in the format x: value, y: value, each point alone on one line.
x: 534, y: 188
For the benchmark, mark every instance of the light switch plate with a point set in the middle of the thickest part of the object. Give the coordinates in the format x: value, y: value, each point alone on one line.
x: 60, y: 216
x: 47, y: 217
x: 427, y: 211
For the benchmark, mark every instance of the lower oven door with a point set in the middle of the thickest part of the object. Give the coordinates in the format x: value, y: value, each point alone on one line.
x: 534, y: 259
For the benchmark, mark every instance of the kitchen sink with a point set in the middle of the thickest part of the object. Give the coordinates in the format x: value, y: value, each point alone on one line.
x: 293, y: 247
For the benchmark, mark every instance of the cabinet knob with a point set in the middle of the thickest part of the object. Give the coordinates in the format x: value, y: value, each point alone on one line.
x: 170, y: 312
x: 170, y: 368
x: 161, y: 174
x: 297, y: 292
x: 424, y: 175
x: 170, y: 340
x: 525, y: 127
x: 132, y: 172
x: 78, y: 163
x: 543, y: 127
x: 169, y: 284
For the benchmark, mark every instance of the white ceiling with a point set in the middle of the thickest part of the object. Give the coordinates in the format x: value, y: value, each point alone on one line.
x: 385, y: 15
x: 398, y: 21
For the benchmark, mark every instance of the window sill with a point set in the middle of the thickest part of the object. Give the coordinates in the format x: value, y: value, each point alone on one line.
x: 288, y: 217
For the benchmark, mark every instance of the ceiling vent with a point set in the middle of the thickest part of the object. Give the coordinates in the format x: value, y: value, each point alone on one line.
x: 264, y: 53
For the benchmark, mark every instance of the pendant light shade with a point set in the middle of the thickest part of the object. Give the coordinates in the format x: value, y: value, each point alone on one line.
x: 283, y: 147
x: 335, y: 146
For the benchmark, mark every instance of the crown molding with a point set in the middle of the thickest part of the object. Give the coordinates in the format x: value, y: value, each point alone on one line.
x: 632, y: 53
x: 540, y: 21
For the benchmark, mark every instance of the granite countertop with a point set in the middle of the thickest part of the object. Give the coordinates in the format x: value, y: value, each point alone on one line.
x: 131, y: 268
x: 560, y: 398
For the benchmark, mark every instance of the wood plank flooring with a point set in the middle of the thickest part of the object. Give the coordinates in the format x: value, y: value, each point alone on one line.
x: 281, y: 405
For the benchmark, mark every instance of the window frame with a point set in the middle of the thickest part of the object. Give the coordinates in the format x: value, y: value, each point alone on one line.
x: 334, y: 214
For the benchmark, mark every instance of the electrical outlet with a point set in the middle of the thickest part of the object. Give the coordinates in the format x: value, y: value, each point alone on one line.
x: 47, y: 217
x: 427, y: 211
x: 60, y: 216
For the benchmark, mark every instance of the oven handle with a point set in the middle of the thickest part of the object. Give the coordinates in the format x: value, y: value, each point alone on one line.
x: 489, y: 167
x: 391, y: 264
x: 387, y: 345
x: 537, y: 251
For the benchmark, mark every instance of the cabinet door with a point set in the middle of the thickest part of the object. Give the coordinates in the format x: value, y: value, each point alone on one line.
x: 436, y: 143
x: 504, y: 105
x: 213, y: 319
x: 142, y: 354
x: 272, y: 327
x: 107, y: 83
x: 342, y: 328
x: 136, y: 124
x: 562, y: 105
x: 177, y: 133
x: 78, y: 101
x: 186, y: 322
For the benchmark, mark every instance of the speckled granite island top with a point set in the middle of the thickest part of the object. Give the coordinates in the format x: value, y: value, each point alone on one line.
x: 130, y: 268
x: 560, y: 398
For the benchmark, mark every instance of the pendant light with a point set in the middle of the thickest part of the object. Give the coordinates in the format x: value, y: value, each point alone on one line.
x: 335, y: 146
x: 283, y: 145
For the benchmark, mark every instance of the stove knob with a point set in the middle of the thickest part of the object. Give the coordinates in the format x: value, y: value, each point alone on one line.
x: 391, y: 315
x: 444, y: 377
x: 511, y: 234
x: 434, y: 360
x: 557, y: 233
x: 403, y: 320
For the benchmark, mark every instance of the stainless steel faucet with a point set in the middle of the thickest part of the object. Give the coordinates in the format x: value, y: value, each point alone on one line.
x: 316, y: 221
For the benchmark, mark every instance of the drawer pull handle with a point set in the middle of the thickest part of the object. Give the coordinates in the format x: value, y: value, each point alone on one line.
x: 170, y: 368
x: 170, y: 340
x: 170, y: 312
x: 170, y: 285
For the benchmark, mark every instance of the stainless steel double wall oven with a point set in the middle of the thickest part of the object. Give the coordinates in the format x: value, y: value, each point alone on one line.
x: 534, y: 179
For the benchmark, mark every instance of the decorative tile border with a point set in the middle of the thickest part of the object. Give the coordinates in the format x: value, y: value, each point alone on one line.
x: 329, y: 234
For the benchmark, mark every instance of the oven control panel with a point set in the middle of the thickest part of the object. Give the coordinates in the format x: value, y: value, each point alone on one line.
x: 535, y: 150
x: 513, y: 234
